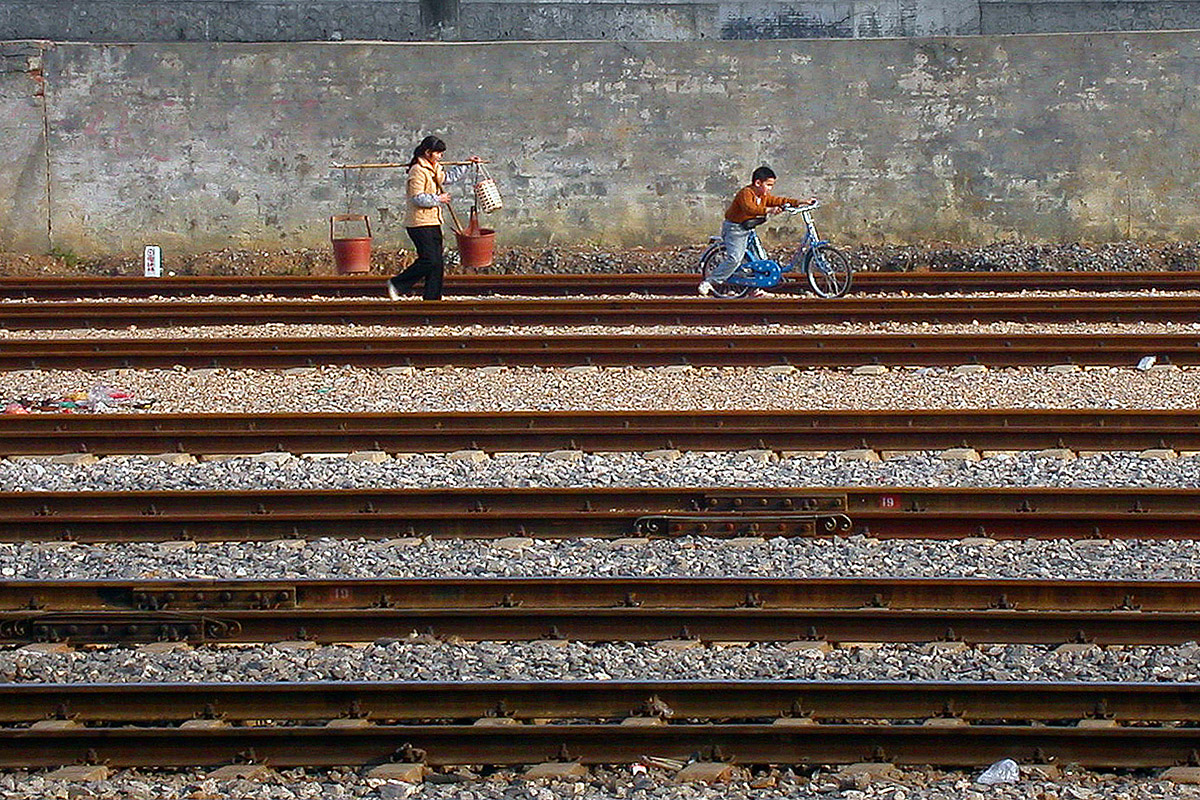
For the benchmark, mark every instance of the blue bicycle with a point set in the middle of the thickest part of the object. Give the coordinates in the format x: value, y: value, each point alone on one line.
x: 827, y: 269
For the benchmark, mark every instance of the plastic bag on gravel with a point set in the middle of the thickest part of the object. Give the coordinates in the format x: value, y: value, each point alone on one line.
x: 1003, y: 771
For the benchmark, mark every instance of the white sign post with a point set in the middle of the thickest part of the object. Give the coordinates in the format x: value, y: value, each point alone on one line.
x: 152, y: 261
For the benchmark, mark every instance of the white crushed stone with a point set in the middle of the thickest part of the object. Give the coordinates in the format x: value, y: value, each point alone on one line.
x: 335, y: 388
x: 802, y: 293
x: 831, y: 329
x: 682, y: 557
x: 601, y: 783
x: 401, y: 660
x: 690, y: 469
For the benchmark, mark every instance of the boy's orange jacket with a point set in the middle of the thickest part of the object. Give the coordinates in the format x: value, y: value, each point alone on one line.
x: 748, y: 205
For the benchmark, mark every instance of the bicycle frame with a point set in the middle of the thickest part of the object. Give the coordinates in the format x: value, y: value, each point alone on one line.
x: 760, y: 270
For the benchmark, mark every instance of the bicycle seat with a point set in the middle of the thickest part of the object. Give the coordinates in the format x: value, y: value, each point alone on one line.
x: 753, y: 222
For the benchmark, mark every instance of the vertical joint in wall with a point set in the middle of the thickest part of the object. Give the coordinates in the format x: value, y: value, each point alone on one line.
x: 41, y: 78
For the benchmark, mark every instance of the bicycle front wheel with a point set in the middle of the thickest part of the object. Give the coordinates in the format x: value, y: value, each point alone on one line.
x: 828, y: 271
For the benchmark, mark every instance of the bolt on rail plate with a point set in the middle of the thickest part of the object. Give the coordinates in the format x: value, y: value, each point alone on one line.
x: 119, y: 627
x: 742, y: 524
x: 741, y: 502
x: 248, y: 598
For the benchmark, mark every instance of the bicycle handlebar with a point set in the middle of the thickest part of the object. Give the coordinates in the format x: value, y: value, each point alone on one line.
x: 798, y: 209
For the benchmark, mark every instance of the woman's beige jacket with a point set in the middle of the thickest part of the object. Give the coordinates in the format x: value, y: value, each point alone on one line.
x: 423, y: 178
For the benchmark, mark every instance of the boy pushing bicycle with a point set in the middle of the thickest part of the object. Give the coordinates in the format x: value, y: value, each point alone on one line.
x: 749, y: 208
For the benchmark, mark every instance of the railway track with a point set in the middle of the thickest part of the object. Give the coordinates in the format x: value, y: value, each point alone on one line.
x: 603, y: 609
x: 643, y: 311
x: 965, y: 724
x: 438, y: 745
x: 577, y: 284
x: 557, y: 513
x: 601, y: 350
x: 417, y: 701
x: 752, y: 723
x: 600, y: 431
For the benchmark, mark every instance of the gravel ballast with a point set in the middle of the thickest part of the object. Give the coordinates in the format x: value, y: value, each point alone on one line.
x: 545, y: 661
x: 323, y: 330
x: 489, y: 389
x: 765, y: 558
x: 690, y: 469
x: 602, y: 783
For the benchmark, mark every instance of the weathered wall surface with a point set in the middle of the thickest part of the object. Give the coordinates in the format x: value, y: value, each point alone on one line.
x: 23, y: 167
x: 1040, y: 16
x: 201, y: 146
x: 513, y: 20
x: 478, y: 20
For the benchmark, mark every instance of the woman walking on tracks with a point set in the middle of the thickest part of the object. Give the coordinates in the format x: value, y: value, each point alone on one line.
x: 423, y: 218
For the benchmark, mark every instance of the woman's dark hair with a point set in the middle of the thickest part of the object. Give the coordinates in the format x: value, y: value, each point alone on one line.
x: 762, y: 173
x: 430, y: 144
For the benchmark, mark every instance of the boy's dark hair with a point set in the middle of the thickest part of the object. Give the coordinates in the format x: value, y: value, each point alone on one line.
x: 762, y: 173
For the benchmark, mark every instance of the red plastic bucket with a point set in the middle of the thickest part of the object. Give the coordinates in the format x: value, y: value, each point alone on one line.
x: 351, y: 255
x: 475, y: 248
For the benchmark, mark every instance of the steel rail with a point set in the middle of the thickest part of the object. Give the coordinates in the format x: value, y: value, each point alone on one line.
x: 645, y: 311
x: 454, y: 513
x: 416, y: 701
x: 670, y: 593
x: 613, y: 512
x: 586, y: 609
x: 58, y: 288
x: 600, y: 431
x: 320, y: 746
x: 602, y: 350
x: 639, y: 624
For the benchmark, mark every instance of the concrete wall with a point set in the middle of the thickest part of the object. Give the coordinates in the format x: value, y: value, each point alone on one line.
x: 478, y: 20
x: 1038, y: 16
x: 203, y: 146
x: 23, y: 170
x: 511, y: 20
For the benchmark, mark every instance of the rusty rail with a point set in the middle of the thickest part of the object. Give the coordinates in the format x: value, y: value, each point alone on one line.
x: 978, y: 594
x: 600, y: 431
x: 415, y: 701
x: 601, y: 350
x: 556, y: 513
x: 644, y: 311
x: 603, y: 609
x: 305, y: 746
x: 577, y: 284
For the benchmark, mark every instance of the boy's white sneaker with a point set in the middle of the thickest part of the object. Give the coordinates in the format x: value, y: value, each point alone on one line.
x: 705, y: 288
x: 392, y: 293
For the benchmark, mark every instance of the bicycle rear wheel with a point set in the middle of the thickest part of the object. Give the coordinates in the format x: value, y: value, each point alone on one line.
x: 828, y: 271
x: 712, y: 259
